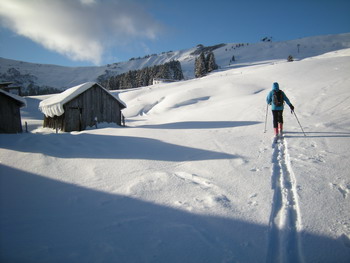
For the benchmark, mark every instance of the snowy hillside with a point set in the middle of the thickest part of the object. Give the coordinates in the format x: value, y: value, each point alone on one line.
x: 65, y: 77
x: 264, y: 52
x: 193, y: 178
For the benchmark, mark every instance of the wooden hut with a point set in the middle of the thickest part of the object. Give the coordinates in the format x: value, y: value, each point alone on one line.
x: 10, y: 114
x: 6, y: 86
x: 82, y: 106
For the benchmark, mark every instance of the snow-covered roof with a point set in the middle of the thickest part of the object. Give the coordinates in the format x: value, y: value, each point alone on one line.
x: 22, y: 101
x: 53, y: 106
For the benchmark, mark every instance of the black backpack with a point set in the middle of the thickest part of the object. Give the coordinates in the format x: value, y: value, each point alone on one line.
x: 277, y: 98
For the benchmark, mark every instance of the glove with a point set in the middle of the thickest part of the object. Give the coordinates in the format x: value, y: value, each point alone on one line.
x: 291, y: 108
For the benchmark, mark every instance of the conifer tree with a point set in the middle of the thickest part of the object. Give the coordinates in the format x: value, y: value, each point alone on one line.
x: 211, y: 64
x: 200, y: 66
x: 176, y: 70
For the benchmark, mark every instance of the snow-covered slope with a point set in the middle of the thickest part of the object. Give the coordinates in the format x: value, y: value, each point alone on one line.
x: 193, y: 178
x: 65, y: 77
x: 60, y: 77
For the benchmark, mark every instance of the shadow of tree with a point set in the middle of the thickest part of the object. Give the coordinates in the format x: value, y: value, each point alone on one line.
x: 43, y: 220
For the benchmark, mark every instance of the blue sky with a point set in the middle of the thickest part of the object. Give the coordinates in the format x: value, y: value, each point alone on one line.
x: 98, y: 32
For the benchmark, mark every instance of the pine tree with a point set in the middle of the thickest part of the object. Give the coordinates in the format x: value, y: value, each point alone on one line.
x: 211, y: 64
x: 164, y: 71
x: 200, y: 66
x: 177, y: 70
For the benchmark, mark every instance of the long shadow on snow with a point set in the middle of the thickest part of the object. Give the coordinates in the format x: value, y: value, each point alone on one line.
x: 83, y: 145
x: 44, y: 220
x: 200, y: 125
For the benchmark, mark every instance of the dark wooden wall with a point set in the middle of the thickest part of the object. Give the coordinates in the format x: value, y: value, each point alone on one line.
x: 81, y: 111
x: 55, y: 122
x: 10, y: 115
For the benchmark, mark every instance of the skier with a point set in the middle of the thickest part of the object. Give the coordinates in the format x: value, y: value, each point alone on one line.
x: 276, y: 98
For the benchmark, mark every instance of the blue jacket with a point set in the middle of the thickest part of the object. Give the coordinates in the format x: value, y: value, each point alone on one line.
x: 269, y: 97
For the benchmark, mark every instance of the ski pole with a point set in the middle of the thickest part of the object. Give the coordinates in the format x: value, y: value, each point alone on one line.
x: 267, y: 106
x: 299, y: 122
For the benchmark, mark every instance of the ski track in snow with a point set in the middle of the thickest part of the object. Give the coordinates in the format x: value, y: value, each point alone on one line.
x: 285, y: 220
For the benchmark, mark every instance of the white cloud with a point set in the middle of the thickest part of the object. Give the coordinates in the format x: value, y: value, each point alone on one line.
x: 79, y: 29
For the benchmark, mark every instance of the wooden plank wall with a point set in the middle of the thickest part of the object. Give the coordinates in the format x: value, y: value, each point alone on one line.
x: 55, y: 122
x: 10, y: 115
x: 82, y: 111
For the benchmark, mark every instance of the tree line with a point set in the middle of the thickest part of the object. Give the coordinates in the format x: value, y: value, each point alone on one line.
x: 143, y: 77
x: 27, y: 82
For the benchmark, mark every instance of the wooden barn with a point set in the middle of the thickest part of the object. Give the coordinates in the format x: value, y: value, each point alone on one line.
x: 10, y: 114
x: 82, y: 106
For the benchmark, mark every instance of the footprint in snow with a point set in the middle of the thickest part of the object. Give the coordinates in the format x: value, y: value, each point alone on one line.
x: 252, y: 200
x: 343, y: 190
x: 213, y: 200
x: 255, y: 170
x: 211, y: 196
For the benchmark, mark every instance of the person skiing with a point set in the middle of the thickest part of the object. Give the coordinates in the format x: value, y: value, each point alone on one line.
x: 276, y: 98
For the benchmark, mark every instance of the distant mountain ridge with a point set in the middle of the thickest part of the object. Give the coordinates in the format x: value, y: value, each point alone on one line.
x: 43, y: 76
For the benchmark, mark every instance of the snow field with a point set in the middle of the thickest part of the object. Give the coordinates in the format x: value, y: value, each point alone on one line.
x: 192, y: 178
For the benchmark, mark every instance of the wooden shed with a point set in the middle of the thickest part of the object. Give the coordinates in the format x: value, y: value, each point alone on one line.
x: 10, y: 114
x: 6, y: 86
x: 82, y: 106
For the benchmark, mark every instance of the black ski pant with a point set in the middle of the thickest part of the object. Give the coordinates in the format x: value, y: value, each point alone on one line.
x: 277, y: 117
